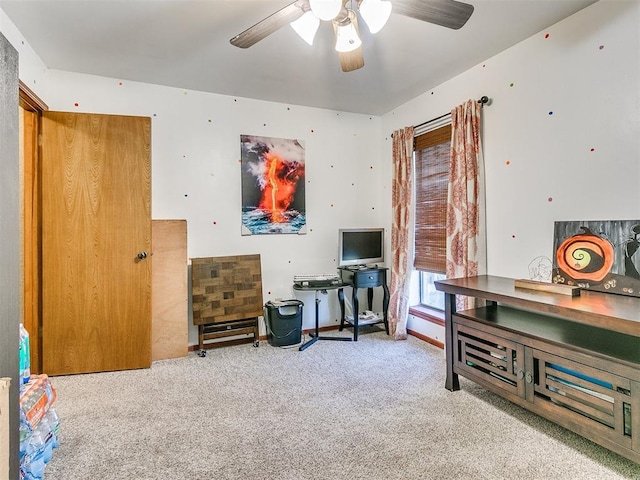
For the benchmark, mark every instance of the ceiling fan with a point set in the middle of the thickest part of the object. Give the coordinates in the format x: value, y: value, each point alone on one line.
x: 305, y: 16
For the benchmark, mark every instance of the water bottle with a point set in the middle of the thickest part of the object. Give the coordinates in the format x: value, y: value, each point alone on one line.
x: 54, y: 422
x: 34, y: 458
x: 22, y: 356
x: 25, y: 436
x: 25, y: 356
x: 47, y: 436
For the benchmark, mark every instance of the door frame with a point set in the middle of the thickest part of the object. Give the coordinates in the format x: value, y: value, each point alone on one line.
x: 31, y: 111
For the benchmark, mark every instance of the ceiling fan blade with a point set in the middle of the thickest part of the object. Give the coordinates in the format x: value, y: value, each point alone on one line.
x: 270, y: 24
x: 353, y: 60
x: 447, y: 13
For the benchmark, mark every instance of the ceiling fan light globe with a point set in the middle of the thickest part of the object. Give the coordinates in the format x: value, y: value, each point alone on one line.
x: 347, y: 38
x: 375, y: 13
x: 325, y: 9
x: 306, y: 27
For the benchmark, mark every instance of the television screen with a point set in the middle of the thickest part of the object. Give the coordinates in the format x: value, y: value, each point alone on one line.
x: 361, y: 246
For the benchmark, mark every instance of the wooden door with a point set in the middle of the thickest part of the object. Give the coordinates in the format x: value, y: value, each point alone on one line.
x: 96, y: 219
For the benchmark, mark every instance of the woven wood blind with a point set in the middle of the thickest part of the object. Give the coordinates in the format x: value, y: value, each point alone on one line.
x: 432, y: 154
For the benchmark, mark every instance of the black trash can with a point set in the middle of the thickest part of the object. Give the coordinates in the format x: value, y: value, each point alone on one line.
x: 284, y: 322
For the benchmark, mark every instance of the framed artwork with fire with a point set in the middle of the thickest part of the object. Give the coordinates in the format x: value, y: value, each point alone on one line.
x: 598, y: 255
x: 273, y: 185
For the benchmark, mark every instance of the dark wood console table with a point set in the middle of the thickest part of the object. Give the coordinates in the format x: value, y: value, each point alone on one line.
x: 572, y: 360
x: 368, y: 278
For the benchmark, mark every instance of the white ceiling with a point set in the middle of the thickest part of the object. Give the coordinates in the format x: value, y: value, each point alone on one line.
x: 185, y: 44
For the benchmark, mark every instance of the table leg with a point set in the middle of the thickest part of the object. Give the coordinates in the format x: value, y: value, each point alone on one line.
x: 385, y: 306
x: 314, y: 335
x: 452, y: 382
x: 356, y: 312
x: 341, y: 302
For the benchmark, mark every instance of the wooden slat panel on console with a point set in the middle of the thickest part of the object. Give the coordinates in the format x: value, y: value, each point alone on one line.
x: 226, y: 288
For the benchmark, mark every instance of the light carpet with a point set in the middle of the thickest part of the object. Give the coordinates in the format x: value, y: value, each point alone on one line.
x: 372, y: 409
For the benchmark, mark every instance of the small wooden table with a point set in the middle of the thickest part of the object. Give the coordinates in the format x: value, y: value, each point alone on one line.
x: 226, y: 299
x: 368, y: 278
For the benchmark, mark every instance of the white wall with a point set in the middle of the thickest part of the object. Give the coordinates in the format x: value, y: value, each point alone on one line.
x: 196, y: 169
x: 32, y: 69
x: 540, y: 167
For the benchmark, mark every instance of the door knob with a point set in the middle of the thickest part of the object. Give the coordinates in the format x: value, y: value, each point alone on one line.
x: 142, y: 255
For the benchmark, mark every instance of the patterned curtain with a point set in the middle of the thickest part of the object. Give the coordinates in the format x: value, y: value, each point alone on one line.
x: 401, y: 232
x: 466, y: 250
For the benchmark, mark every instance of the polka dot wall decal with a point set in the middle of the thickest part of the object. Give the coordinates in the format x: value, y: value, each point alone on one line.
x: 120, y: 83
x: 264, y: 124
x: 76, y: 104
x: 511, y: 84
x: 186, y: 195
x: 215, y: 223
x: 210, y: 121
x: 550, y: 199
x: 508, y: 162
x: 513, y: 236
x: 546, y: 36
x: 332, y: 205
x: 312, y: 131
x: 592, y: 149
x: 601, y: 47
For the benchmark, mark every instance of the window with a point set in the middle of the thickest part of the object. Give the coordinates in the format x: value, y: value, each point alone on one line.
x: 429, y: 296
x: 431, y: 157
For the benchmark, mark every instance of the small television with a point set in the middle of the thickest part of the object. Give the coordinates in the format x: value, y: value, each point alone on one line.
x: 360, y: 246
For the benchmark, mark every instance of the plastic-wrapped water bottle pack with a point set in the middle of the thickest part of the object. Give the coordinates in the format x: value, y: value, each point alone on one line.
x: 39, y: 421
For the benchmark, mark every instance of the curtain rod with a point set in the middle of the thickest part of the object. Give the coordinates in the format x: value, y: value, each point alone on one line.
x: 483, y: 100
